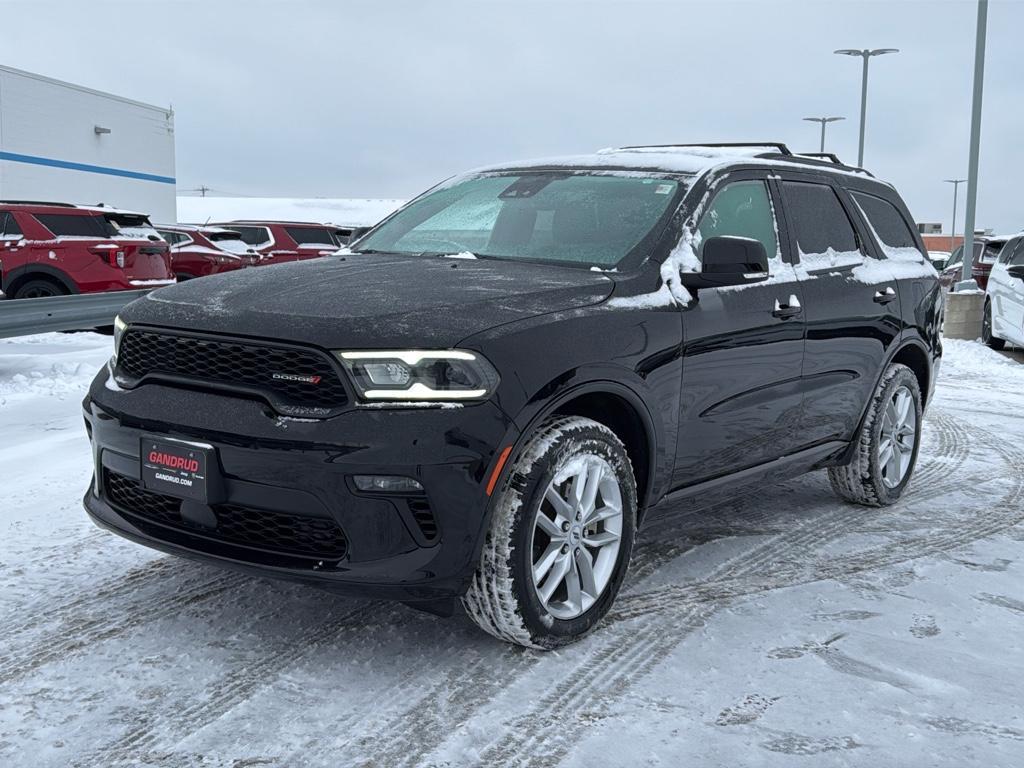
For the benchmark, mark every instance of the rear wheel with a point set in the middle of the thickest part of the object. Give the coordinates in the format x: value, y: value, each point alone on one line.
x: 560, y: 537
x: 886, y: 447
x: 993, y: 342
x: 38, y: 288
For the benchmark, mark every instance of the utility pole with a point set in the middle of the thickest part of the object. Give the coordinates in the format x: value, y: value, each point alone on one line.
x: 865, y: 54
x: 967, y: 283
x: 202, y: 190
x: 824, y: 121
x: 952, y: 227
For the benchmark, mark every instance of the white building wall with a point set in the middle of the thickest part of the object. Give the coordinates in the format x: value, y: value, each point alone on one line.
x: 49, y: 149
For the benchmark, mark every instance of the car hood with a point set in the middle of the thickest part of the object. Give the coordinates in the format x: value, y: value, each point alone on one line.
x: 370, y: 300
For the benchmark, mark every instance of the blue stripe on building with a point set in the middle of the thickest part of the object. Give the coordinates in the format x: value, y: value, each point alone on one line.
x: 67, y: 165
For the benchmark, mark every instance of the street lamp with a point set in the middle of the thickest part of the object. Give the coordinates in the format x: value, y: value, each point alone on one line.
x: 824, y: 121
x: 865, y: 54
x: 952, y: 227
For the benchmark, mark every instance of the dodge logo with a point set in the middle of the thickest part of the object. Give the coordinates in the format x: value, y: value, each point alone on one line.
x: 301, y: 377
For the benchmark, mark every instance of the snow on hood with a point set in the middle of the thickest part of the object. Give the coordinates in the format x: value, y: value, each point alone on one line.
x: 365, y: 301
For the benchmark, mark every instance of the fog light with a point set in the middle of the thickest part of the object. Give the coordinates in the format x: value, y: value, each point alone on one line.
x: 387, y: 484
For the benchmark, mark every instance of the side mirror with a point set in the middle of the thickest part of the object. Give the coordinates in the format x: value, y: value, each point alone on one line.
x: 1017, y: 270
x: 729, y: 260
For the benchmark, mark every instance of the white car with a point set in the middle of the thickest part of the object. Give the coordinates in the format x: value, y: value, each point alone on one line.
x: 1004, y: 306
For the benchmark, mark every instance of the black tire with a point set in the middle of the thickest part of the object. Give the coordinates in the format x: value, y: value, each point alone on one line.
x: 993, y: 342
x: 862, y: 481
x: 182, y: 277
x: 39, y: 288
x: 502, y: 598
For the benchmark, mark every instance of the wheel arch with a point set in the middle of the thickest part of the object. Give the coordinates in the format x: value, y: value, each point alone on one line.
x: 623, y: 411
x: 912, y: 353
x: 17, y: 277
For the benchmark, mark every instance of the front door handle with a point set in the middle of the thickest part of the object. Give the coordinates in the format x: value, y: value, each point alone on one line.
x: 788, y: 310
x: 884, y: 297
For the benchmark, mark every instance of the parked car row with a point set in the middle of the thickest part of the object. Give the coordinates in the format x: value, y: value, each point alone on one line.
x: 51, y: 249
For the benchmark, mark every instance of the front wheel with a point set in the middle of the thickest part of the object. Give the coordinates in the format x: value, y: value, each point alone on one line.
x: 993, y: 342
x: 885, y: 449
x: 560, y: 537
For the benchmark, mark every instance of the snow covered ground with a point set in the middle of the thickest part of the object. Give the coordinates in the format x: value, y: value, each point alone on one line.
x: 342, y: 211
x: 776, y: 628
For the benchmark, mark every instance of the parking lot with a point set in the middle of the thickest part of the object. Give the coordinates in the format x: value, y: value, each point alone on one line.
x: 780, y: 624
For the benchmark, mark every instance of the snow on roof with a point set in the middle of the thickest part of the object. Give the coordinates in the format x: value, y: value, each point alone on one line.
x: 690, y: 160
x: 340, y: 211
x: 196, y: 228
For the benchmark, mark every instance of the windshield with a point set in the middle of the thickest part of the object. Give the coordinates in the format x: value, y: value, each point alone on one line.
x: 135, y: 227
x: 579, y: 218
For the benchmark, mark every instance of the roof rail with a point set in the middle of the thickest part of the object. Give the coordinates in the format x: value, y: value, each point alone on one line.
x: 37, y: 202
x: 830, y: 156
x: 817, y: 159
x: 778, y: 145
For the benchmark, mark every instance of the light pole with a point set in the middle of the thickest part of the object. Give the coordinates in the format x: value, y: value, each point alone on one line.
x: 966, y: 281
x: 824, y: 121
x: 865, y: 54
x: 952, y: 227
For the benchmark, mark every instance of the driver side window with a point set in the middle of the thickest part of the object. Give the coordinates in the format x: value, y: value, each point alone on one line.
x: 741, y: 209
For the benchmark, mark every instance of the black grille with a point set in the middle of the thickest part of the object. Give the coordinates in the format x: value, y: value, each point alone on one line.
x: 270, y: 371
x: 278, y: 532
x: 424, y: 517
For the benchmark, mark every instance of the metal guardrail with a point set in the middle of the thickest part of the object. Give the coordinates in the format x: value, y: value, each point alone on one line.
x: 23, y: 317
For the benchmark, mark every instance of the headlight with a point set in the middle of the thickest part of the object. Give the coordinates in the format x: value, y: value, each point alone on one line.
x: 119, y: 326
x: 413, y: 374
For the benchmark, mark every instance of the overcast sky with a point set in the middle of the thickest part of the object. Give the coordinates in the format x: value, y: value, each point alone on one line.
x: 382, y: 98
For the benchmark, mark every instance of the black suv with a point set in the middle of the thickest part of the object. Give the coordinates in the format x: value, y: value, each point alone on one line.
x: 483, y: 397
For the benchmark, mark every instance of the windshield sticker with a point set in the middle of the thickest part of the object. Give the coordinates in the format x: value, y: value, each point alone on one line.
x: 663, y: 189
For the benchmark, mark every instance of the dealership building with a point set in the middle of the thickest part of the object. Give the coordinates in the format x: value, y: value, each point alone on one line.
x: 61, y: 142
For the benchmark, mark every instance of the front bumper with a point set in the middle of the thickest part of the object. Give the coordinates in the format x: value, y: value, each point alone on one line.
x: 290, y: 509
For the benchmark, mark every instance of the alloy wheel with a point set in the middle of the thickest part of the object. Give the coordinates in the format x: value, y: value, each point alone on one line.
x: 575, y: 539
x: 898, y: 436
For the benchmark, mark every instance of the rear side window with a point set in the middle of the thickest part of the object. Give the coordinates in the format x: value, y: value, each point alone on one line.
x: 889, y: 225
x: 255, y: 236
x: 991, y: 252
x: 70, y: 225
x: 311, y: 236
x: 742, y: 209
x: 821, y: 224
x: 9, y: 228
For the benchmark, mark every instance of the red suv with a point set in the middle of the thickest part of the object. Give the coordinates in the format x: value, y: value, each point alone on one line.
x: 281, y: 241
x: 199, y: 251
x: 986, y: 251
x: 49, y: 249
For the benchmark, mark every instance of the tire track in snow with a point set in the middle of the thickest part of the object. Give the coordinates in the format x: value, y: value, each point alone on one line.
x: 45, y: 610
x: 234, y: 688
x: 84, y: 631
x: 426, y: 723
x: 610, y: 673
x: 423, y: 726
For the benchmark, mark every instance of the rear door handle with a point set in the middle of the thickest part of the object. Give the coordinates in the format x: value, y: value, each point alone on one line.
x: 786, y: 311
x: 884, y: 297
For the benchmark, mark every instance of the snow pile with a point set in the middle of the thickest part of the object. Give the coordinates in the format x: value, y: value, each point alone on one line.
x: 323, y: 210
x: 970, y: 358
x: 50, y: 364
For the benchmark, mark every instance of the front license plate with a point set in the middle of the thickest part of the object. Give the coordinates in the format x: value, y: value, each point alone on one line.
x: 176, y: 468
